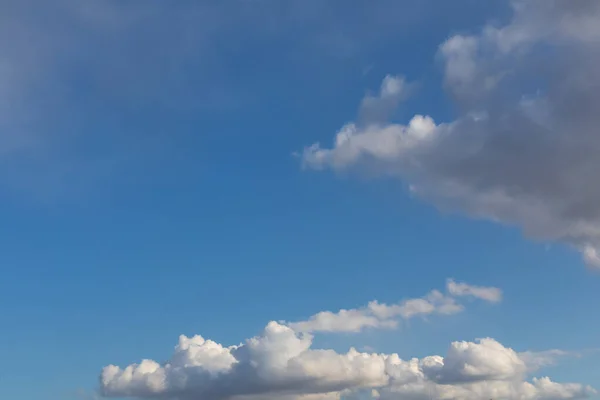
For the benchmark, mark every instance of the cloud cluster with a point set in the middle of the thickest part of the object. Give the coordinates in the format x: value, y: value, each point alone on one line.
x: 381, y: 315
x: 524, y: 149
x: 281, y: 363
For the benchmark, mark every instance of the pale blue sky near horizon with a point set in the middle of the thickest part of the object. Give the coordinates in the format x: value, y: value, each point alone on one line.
x: 149, y: 189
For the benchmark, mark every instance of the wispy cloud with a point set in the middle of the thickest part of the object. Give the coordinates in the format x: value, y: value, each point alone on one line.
x: 487, y: 293
x: 388, y: 316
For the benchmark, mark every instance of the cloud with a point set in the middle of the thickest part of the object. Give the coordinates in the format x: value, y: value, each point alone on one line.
x: 524, y: 148
x: 483, y: 360
x: 98, y: 88
x: 380, y: 315
x: 65, y: 78
x: 353, y: 320
x: 281, y: 363
x: 540, y: 359
x: 537, y: 388
x: 378, y: 108
x: 536, y: 360
x: 90, y: 74
x: 491, y: 294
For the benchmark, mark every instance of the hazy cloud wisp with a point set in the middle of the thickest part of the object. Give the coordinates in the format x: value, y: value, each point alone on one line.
x: 381, y: 315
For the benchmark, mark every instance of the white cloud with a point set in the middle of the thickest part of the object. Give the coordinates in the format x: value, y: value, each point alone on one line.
x: 380, y: 315
x: 524, y: 151
x: 378, y: 143
x: 537, y: 388
x: 483, y: 360
x: 318, y: 396
x: 281, y: 363
x: 491, y: 294
x: 343, y: 321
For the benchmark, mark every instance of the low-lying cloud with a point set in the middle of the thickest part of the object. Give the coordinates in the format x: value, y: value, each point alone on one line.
x: 282, y: 363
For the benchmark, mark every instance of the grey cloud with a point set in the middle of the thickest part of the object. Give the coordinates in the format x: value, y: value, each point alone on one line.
x: 77, y: 74
x: 525, y: 150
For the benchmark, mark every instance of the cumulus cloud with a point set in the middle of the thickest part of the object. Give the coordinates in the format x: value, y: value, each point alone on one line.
x: 524, y: 149
x: 282, y: 363
x: 381, y: 315
x: 483, y: 360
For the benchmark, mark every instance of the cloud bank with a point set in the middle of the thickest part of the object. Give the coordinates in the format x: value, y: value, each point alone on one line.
x: 282, y: 363
x: 524, y: 148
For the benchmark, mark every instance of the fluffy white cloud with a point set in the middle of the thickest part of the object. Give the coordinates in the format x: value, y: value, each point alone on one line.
x: 380, y: 315
x: 538, y: 389
x: 278, y: 361
x: 281, y: 363
x: 524, y: 150
x: 481, y: 361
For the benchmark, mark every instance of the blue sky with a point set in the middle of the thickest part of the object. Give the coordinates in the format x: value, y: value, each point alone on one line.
x: 158, y: 180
